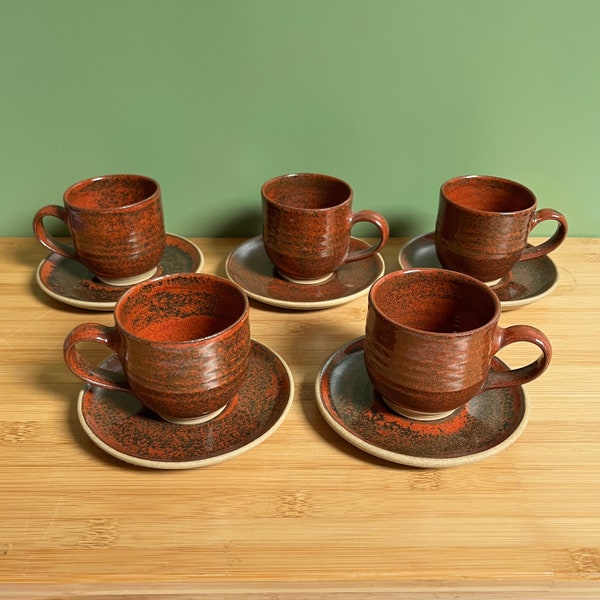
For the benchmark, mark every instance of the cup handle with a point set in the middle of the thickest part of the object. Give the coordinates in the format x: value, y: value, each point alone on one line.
x: 546, y: 214
x: 52, y: 210
x: 369, y: 216
x: 82, y: 368
x: 522, y: 375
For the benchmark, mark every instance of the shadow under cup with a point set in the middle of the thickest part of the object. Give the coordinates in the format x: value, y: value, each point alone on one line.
x: 430, y: 339
x: 183, y: 341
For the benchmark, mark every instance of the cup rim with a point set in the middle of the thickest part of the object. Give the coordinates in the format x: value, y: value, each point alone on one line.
x: 446, y: 274
x: 244, y: 316
x: 80, y: 184
x: 455, y: 181
x: 320, y: 176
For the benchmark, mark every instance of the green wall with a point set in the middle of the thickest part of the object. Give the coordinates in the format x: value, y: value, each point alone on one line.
x: 213, y: 97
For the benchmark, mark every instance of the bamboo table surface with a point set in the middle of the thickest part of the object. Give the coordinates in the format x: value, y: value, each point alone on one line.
x: 304, y: 514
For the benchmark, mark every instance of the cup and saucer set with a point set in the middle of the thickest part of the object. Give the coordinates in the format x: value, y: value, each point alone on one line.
x: 422, y: 387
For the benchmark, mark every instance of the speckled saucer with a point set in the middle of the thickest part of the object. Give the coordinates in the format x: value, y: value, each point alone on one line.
x: 68, y: 281
x: 529, y: 280
x: 249, y: 266
x: 488, y: 424
x: 122, y: 427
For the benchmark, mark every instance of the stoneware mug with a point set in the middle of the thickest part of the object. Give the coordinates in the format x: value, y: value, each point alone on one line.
x: 431, y: 335
x: 483, y: 224
x: 183, y: 341
x: 307, y: 219
x: 116, y: 224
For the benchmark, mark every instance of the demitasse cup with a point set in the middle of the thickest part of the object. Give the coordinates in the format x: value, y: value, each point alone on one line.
x: 483, y: 224
x: 116, y: 224
x: 307, y: 219
x: 431, y: 335
x: 183, y: 341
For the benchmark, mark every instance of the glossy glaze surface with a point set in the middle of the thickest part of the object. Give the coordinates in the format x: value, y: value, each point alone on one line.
x: 183, y: 341
x: 307, y: 220
x: 529, y: 280
x: 120, y: 425
x: 488, y: 424
x: 250, y: 267
x: 483, y: 224
x: 70, y: 282
x: 116, y: 223
x: 431, y: 335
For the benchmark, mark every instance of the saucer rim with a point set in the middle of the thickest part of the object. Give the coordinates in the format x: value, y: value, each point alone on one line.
x: 302, y: 305
x: 173, y: 465
x: 506, y: 305
x: 408, y: 459
x: 100, y: 306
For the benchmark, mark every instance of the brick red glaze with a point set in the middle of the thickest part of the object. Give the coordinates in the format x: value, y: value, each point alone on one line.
x: 307, y: 220
x: 116, y: 223
x: 176, y: 362
x: 69, y: 281
x: 249, y: 266
x: 486, y: 424
x: 123, y: 427
x: 528, y: 280
x: 431, y: 335
x: 483, y: 224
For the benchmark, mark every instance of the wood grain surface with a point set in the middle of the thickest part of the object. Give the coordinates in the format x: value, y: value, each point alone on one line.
x: 305, y: 514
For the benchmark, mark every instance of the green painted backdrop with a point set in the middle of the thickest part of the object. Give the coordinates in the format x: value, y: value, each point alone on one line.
x: 213, y: 97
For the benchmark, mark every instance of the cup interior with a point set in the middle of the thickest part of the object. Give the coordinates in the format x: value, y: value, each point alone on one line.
x: 488, y: 194
x: 181, y: 308
x: 110, y: 192
x: 306, y: 191
x: 434, y: 301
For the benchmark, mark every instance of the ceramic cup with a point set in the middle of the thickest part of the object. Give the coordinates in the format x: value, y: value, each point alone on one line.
x: 483, y: 224
x: 116, y: 224
x: 431, y: 335
x: 183, y: 341
x: 307, y: 220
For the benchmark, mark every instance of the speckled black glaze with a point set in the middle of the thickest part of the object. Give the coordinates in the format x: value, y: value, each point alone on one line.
x: 116, y: 223
x: 487, y: 424
x: 249, y: 266
x: 69, y: 281
x: 527, y: 282
x: 183, y: 341
x: 123, y: 427
x: 483, y: 224
x: 307, y: 219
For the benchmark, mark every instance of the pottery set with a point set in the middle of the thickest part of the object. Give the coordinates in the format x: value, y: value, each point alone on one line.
x: 187, y: 386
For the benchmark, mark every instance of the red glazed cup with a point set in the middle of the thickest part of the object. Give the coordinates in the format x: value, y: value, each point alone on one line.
x: 431, y: 335
x: 307, y: 219
x: 483, y: 224
x: 116, y: 224
x: 183, y: 341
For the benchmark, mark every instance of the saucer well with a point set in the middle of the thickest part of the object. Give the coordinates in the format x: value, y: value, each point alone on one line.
x: 488, y: 424
x: 119, y: 424
x: 529, y: 280
x: 68, y: 281
x: 249, y: 266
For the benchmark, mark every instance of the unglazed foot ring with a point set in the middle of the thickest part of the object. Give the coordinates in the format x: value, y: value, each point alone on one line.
x: 194, y: 420
x: 129, y: 281
x: 316, y: 281
x: 417, y: 415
